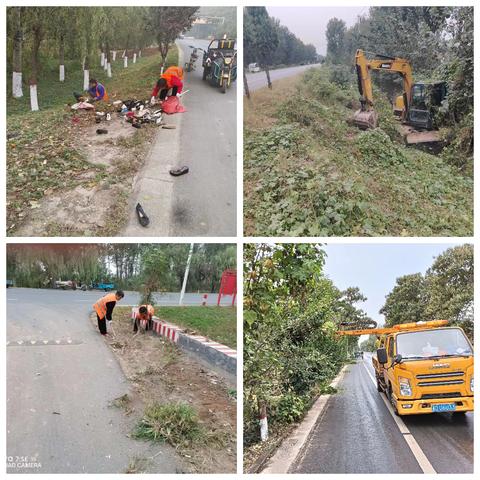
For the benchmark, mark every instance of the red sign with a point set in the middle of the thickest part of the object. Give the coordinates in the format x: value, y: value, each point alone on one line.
x: 228, y: 285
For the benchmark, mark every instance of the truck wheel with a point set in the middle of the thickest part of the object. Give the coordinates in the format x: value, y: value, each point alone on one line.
x: 379, y: 386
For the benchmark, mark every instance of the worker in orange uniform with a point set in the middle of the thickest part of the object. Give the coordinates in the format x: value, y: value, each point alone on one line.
x: 171, y: 78
x: 104, y: 309
x: 145, y: 313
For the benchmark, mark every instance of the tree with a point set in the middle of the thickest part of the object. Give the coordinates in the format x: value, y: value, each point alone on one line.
x: 166, y: 23
x: 407, y: 302
x: 449, y: 284
x: 260, y: 37
x: 336, y: 32
x: 17, y: 14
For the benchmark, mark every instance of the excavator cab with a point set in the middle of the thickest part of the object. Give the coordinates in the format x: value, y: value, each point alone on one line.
x: 424, y: 97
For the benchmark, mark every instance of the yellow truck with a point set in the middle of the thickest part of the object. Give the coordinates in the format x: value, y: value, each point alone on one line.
x: 424, y: 367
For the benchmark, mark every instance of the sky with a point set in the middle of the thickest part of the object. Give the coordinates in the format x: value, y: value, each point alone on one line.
x: 375, y: 267
x: 309, y: 24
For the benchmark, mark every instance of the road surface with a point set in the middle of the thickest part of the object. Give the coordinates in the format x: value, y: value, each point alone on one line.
x: 165, y: 299
x: 60, y: 382
x: 357, y: 434
x: 259, y: 79
x: 202, y: 202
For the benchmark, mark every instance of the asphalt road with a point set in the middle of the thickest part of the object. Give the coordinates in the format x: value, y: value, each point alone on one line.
x: 60, y: 382
x: 259, y: 79
x: 204, y: 200
x: 357, y: 434
x: 167, y: 299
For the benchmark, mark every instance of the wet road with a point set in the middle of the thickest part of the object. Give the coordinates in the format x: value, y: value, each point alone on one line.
x: 357, y: 434
x: 259, y: 79
x: 204, y: 200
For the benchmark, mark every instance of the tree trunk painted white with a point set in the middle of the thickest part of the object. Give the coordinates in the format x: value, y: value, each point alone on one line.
x: 124, y: 52
x: 134, y: 58
x: 263, y: 429
x: 33, y: 98
x: 161, y: 70
x: 125, y: 62
x: 139, y: 54
x: 102, y: 59
x: 17, y: 84
x: 109, y: 70
x: 62, y: 73
x: 105, y: 65
x: 86, y: 79
x: 114, y: 55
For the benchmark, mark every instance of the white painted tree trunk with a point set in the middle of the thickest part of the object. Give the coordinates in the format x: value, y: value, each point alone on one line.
x: 86, y: 79
x: 124, y: 52
x: 139, y: 54
x: 33, y: 98
x: 134, y: 58
x: 263, y: 429
x: 102, y: 59
x: 105, y: 65
x: 125, y: 62
x: 161, y: 70
x: 17, y: 85
x: 114, y: 55
x: 62, y: 73
x: 109, y: 70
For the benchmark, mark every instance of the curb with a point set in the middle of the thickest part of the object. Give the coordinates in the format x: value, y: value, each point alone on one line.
x: 214, y: 353
x: 291, y: 447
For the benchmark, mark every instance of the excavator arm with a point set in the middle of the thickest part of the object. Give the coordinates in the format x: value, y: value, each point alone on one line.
x: 366, y: 117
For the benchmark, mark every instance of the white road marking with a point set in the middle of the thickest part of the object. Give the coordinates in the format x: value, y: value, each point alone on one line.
x: 12, y: 299
x: 417, y: 452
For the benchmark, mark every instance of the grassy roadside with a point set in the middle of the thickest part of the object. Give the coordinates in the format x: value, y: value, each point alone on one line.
x: 307, y: 172
x: 216, y: 323
x: 47, y: 152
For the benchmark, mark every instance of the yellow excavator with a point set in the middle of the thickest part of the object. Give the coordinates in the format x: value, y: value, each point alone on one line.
x: 413, y: 107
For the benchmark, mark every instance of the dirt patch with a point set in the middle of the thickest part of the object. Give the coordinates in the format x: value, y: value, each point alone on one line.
x: 94, y: 201
x: 160, y: 372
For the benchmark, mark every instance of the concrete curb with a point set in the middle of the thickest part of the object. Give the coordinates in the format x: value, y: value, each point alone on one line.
x: 214, y: 353
x: 291, y: 447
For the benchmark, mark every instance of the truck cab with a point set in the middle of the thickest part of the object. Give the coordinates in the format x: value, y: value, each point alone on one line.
x: 425, y: 370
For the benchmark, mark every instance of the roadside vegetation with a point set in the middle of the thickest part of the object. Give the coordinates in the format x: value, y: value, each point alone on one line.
x: 141, y: 267
x: 307, y: 171
x: 216, y: 323
x: 291, y: 352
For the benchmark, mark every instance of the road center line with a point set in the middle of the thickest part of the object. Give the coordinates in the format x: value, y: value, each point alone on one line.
x: 417, y: 452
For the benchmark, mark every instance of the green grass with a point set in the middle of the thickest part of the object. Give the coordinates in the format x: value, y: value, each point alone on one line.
x: 308, y: 172
x: 217, y: 323
x: 177, y: 424
x: 43, y: 153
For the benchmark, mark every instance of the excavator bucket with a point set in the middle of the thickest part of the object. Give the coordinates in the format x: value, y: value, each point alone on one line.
x: 365, y: 119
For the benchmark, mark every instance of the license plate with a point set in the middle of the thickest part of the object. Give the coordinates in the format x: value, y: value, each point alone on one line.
x: 444, y: 407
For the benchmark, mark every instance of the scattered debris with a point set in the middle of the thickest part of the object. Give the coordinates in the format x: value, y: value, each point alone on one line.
x: 176, y: 172
x: 101, y: 131
x: 142, y: 216
x: 56, y: 413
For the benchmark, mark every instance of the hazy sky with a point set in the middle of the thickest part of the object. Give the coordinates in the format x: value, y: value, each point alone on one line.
x: 309, y: 24
x: 375, y: 267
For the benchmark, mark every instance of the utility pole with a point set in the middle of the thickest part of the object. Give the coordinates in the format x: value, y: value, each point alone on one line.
x: 185, y: 278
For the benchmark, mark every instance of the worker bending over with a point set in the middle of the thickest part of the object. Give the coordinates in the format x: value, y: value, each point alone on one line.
x: 171, y: 79
x: 104, y: 309
x: 96, y: 92
x: 144, y: 313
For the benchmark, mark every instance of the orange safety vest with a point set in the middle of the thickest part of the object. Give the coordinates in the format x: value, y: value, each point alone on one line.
x: 172, y: 72
x: 150, y: 311
x: 105, y: 94
x: 101, y: 305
